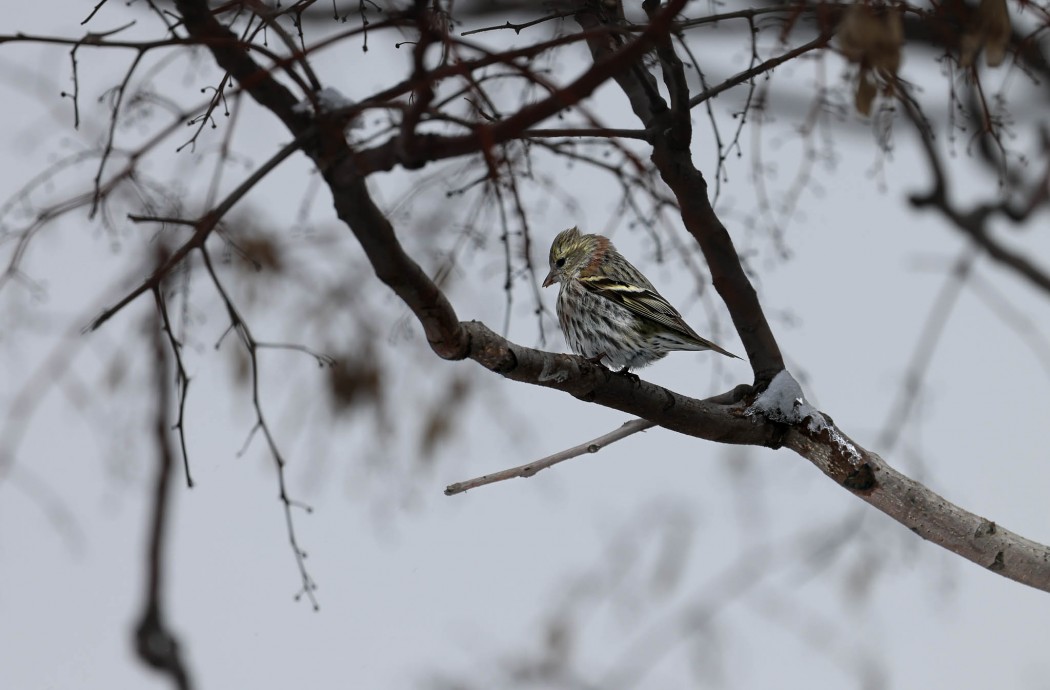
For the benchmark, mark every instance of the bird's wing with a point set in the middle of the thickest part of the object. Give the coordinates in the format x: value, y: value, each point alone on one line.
x: 643, y: 301
x: 647, y: 303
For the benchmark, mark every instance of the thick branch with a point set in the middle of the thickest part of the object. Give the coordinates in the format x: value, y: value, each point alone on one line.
x: 933, y: 517
x: 393, y: 266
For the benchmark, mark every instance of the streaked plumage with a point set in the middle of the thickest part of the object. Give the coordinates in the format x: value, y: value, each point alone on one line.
x: 608, y: 309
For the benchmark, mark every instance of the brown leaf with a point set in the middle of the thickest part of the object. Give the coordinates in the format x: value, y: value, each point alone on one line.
x: 871, y: 37
x: 442, y: 418
x: 354, y: 380
x: 989, y: 29
x: 260, y: 253
x: 866, y: 90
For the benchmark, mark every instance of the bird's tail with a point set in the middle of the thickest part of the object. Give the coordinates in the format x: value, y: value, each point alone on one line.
x: 708, y: 345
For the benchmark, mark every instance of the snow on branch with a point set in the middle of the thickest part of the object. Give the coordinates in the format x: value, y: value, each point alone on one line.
x: 329, y: 101
x: 784, y: 402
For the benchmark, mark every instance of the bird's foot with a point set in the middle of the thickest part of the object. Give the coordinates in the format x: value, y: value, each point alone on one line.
x: 633, y: 377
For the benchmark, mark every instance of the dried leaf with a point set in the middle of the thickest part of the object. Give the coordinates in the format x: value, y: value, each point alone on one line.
x: 262, y: 252
x: 866, y: 90
x: 871, y: 37
x: 442, y: 418
x: 354, y: 380
x: 989, y: 29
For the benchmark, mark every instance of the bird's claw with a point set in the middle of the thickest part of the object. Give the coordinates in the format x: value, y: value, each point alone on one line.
x: 633, y: 377
x: 596, y: 360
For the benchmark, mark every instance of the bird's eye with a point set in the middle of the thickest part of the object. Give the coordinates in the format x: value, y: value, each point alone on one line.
x: 560, y: 262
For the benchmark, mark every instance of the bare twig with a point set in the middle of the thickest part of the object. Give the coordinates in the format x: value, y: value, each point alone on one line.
x: 626, y: 429
x: 251, y: 346
x: 321, y: 358
x: 182, y: 379
x: 518, y: 27
x: 748, y: 74
x: 587, y: 132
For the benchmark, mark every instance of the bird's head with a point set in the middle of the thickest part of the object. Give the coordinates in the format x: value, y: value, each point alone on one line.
x: 571, y: 252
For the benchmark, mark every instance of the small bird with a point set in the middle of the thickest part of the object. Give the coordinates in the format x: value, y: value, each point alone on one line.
x: 609, y: 311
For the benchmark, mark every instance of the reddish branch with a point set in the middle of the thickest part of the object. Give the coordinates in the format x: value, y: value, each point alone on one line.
x: 430, y: 148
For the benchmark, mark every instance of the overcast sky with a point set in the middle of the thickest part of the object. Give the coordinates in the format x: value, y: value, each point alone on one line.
x: 664, y: 561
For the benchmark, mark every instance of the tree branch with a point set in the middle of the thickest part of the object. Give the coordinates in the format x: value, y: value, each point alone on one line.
x: 155, y: 644
x: 973, y: 223
x: 820, y: 41
x: 530, y: 469
x: 202, y: 230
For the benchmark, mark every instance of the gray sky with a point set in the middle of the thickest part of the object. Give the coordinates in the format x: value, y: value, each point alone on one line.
x: 414, y: 585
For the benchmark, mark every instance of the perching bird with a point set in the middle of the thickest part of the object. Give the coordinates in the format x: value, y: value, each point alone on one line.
x: 609, y: 311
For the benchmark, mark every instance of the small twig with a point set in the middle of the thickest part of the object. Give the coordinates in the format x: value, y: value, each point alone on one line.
x: 518, y: 27
x: 114, y: 119
x: 323, y: 360
x: 508, y: 260
x: 820, y: 41
x: 526, y: 242
x: 600, y: 132
x: 628, y: 428
x: 182, y: 379
x: 93, y: 12
x: 251, y: 346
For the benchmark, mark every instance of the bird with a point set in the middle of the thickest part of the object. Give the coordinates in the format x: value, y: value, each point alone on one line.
x: 609, y: 312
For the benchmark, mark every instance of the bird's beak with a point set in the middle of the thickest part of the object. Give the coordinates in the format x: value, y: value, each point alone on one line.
x: 549, y: 280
